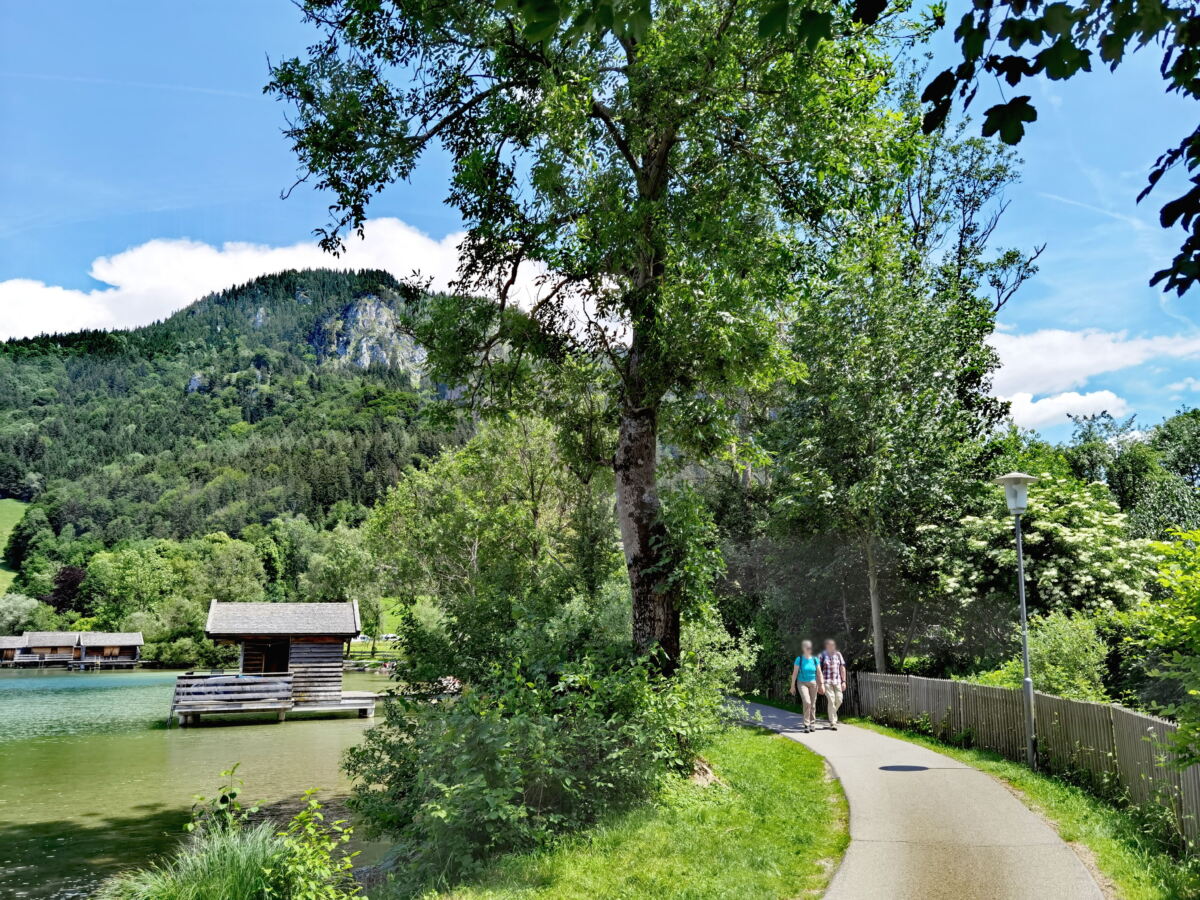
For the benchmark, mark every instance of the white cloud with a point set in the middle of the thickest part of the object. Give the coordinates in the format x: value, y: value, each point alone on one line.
x: 1054, y: 360
x: 1030, y: 413
x: 154, y: 279
x: 1188, y: 384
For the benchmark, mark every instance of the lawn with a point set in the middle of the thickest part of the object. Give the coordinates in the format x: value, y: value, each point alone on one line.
x: 772, y: 826
x: 11, y: 512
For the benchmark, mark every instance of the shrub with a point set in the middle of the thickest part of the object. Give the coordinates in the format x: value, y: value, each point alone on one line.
x: 532, y: 751
x: 17, y: 613
x: 311, y: 864
x: 1168, y: 630
x: 188, y: 651
x: 1066, y: 656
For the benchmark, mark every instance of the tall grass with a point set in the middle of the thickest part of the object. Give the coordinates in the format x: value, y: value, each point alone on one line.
x: 213, y: 865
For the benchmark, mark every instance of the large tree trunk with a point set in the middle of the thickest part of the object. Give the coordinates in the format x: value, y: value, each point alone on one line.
x: 655, y: 612
x: 876, y: 604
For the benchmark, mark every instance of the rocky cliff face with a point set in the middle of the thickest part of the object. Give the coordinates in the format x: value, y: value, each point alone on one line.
x: 365, y: 333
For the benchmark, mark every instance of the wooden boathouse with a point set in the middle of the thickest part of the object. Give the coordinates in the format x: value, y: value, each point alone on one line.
x: 48, y: 648
x: 290, y: 658
x: 73, y: 649
x: 107, y: 650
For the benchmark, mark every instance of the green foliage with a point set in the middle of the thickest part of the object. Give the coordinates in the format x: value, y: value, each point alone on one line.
x: 628, y: 154
x: 492, y: 552
x: 136, y: 436
x: 1066, y: 658
x: 1078, y: 553
x: 223, y: 812
x: 1169, y: 626
x: 1152, y: 479
x: 11, y: 512
x: 689, y: 552
x: 495, y: 538
x: 528, y: 752
x: 226, y: 453
x: 1178, y: 441
x: 18, y: 613
x: 886, y: 430
x: 313, y: 864
x: 210, y: 865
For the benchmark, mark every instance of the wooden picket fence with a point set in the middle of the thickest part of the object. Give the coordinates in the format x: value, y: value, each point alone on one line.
x: 1100, y: 742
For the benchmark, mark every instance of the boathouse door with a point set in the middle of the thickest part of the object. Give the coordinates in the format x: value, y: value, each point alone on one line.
x: 263, y: 655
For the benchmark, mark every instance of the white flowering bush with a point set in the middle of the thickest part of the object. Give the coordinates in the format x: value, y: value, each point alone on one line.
x: 1078, y: 557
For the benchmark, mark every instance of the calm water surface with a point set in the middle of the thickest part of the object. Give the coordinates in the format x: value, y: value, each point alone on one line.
x: 92, y: 782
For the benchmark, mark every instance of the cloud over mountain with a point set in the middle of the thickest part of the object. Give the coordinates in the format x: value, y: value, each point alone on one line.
x: 1052, y: 364
x: 154, y: 279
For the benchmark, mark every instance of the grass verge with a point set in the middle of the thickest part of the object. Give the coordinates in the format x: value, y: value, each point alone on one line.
x: 11, y: 512
x: 1122, y: 843
x: 772, y: 825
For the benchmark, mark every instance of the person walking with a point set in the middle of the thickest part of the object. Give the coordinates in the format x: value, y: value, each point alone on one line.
x: 807, y: 678
x: 833, y: 677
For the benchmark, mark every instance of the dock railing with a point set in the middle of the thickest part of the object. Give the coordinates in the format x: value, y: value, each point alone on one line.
x: 1101, y: 743
x: 220, y: 693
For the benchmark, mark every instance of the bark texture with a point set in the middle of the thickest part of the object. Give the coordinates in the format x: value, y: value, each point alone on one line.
x: 876, y: 604
x: 655, y: 612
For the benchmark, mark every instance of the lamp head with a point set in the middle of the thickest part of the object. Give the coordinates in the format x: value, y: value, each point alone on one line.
x: 1016, y: 490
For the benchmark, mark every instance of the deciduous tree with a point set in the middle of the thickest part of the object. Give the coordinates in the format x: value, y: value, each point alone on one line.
x: 660, y: 165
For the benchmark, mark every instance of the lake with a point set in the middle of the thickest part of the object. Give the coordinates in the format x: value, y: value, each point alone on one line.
x: 91, y: 780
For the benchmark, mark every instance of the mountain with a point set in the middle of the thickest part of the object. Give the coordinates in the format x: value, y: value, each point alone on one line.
x: 294, y: 394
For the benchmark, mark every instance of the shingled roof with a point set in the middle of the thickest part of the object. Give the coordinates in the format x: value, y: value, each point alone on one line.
x: 110, y: 639
x: 235, y: 619
x: 51, y: 638
x: 11, y: 641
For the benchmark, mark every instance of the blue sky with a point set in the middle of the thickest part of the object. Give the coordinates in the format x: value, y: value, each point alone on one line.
x: 142, y: 167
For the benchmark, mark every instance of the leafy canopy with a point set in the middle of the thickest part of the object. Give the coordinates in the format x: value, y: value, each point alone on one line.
x: 660, y: 174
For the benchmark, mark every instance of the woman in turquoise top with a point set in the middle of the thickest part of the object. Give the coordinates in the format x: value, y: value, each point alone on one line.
x: 806, y: 676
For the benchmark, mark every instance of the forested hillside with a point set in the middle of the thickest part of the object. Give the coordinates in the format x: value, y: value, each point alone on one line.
x: 288, y: 403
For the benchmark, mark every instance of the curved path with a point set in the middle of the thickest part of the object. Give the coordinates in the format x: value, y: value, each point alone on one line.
x: 927, y: 827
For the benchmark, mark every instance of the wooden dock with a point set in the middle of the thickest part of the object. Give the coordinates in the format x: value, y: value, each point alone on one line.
x: 219, y: 693
x: 96, y: 664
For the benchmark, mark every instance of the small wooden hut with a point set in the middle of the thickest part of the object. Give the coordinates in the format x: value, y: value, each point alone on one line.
x: 290, y: 659
x: 108, y: 649
x: 305, y: 639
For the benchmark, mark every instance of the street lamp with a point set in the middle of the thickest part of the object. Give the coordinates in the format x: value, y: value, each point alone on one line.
x: 1016, y: 492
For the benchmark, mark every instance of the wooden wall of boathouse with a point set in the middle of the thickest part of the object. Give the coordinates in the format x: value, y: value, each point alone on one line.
x: 316, y: 666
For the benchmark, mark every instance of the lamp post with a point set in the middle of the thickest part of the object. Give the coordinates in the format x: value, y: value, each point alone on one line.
x: 1016, y: 492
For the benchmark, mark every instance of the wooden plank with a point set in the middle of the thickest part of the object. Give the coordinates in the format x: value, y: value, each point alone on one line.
x: 232, y: 688
x: 230, y: 680
x: 1189, y: 803
x: 231, y: 707
x: 1142, y: 758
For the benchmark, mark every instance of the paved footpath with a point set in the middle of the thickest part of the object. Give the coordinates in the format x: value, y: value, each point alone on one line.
x: 927, y: 827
